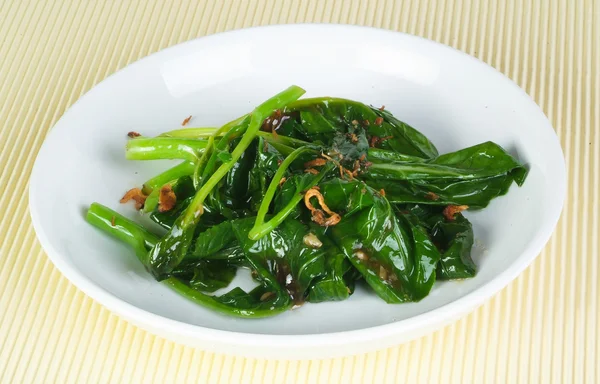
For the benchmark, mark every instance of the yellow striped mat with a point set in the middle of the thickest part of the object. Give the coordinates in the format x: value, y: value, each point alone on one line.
x: 544, y: 327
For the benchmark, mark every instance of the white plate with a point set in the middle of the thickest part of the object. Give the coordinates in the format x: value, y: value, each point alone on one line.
x: 453, y: 98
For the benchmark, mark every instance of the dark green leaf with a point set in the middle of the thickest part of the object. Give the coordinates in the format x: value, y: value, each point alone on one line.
x: 338, y: 281
x: 480, y: 161
x: 393, y: 254
x: 224, y: 156
x: 321, y: 118
x: 214, y: 239
x: 206, y: 275
x: 475, y: 193
x: 268, y: 160
x: 472, y: 176
x: 170, y: 250
x: 454, y: 239
x: 284, y: 254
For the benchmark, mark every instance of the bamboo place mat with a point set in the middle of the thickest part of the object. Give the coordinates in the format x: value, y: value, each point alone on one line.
x: 543, y: 327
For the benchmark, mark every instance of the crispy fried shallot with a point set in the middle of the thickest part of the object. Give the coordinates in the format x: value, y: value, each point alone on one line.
x: 186, y: 120
x: 318, y: 215
x: 136, y: 195
x: 166, y: 199
x: 452, y: 210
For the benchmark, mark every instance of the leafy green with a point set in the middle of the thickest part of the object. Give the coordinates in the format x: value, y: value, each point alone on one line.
x: 472, y: 176
x: 456, y: 240
x: 194, y: 279
x: 300, y: 184
x: 453, y: 238
x: 173, y: 247
x: 379, y: 207
x: 318, y: 119
x: 479, y: 161
x: 393, y: 253
x: 338, y: 281
x: 285, y: 254
x: 267, y: 162
x: 206, y: 275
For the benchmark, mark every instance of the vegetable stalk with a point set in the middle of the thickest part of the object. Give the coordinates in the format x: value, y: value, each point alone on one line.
x: 158, y: 148
x: 172, y: 248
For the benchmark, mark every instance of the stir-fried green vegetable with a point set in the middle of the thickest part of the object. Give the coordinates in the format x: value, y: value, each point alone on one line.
x: 311, y: 196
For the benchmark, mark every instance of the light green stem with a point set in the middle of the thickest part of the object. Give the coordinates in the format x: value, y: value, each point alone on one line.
x: 180, y: 170
x: 260, y: 229
x: 190, y: 133
x: 194, y: 210
x: 158, y: 148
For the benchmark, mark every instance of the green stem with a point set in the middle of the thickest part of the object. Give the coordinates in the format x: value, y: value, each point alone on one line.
x: 209, y: 302
x: 233, y: 123
x: 190, y: 133
x: 424, y: 171
x: 260, y: 229
x: 285, y: 150
x: 194, y: 210
x: 164, y: 148
x: 141, y: 239
x: 186, y: 168
x: 285, y: 140
x: 210, y: 148
x: 211, y: 162
x: 123, y: 229
x: 152, y: 200
x: 377, y: 155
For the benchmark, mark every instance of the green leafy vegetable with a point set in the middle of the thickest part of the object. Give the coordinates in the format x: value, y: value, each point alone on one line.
x: 472, y: 176
x: 321, y: 118
x: 172, y: 248
x: 393, y: 253
x: 310, y: 195
x: 453, y: 238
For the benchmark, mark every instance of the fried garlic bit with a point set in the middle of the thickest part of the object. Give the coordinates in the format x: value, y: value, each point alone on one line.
x: 136, y: 195
x: 315, y: 163
x: 266, y: 296
x: 361, y: 255
x: 356, y: 168
x: 318, y: 215
x: 431, y: 196
x: 187, y: 120
x: 311, y: 171
x: 383, y: 273
x: 274, y: 122
x: 133, y: 134
x: 343, y: 171
x: 347, y: 172
x: 311, y: 240
x: 452, y: 210
x: 166, y: 199
x: 375, y: 141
